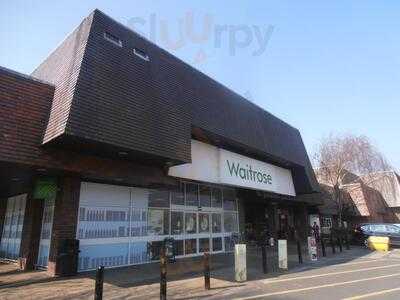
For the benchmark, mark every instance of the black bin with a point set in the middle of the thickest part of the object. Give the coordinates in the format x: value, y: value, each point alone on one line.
x: 67, y: 258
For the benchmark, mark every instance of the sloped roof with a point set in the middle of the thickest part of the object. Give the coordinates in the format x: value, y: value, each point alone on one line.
x: 387, y: 183
x: 107, y: 96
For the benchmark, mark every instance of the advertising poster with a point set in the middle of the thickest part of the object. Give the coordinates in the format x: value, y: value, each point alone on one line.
x: 312, y: 248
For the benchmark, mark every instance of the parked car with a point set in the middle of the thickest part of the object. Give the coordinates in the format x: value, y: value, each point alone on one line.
x: 363, y: 231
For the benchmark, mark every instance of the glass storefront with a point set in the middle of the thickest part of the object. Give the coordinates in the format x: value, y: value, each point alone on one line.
x: 12, y: 229
x: 45, y: 233
x: 123, y: 226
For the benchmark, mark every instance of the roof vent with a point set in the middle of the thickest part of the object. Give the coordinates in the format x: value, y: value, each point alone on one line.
x: 113, y: 39
x: 140, y: 53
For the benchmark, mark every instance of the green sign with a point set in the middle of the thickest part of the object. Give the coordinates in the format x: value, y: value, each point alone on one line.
x: 45, y: 188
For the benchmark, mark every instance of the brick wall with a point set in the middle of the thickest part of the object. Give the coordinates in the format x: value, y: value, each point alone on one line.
x: 24, y: 101
x: 28, y: 101
x: 64, y: 220
x: 31, y: 232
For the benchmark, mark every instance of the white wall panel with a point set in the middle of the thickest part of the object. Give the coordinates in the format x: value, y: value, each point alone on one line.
x: 216, y: 165
x: 104, y: 195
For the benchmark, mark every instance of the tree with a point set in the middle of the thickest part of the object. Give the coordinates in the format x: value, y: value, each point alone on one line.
x: 341, y: 158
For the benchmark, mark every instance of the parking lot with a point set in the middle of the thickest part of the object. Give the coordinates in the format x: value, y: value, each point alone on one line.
x: 352, y: 274
x: 365, y: 278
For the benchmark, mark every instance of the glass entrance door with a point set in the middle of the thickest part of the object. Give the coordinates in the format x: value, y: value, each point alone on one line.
x: 201, y: 232
x: 45, y: 233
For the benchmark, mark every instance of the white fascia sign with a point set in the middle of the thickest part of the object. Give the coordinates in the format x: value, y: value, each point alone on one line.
x: 216, y: 165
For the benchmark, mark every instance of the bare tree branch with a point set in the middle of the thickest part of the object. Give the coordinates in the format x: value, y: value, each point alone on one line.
x: 342, y: 158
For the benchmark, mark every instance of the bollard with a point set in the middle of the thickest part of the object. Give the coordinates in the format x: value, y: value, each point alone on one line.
x: 282, y: 254
x: 299, y: 252
x: 98, y: 289
x: 332, y: 244
x: 264, y: 258
x: 163, y: 276
x: 339, y: 240
x: 323, y: 247
x: 240, y: 263
x: 207, y: 284
x: 347, y: 241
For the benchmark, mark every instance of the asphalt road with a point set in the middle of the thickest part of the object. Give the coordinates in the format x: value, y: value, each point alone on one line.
x: 358, y: 279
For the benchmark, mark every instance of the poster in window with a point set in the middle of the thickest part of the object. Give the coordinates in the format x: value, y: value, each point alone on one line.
x: 190, y: 223
x: 204, y: 222
x: 156, y: 222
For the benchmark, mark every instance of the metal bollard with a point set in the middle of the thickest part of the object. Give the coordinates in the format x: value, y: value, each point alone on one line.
x: 347, y: 241
x: 264, y: 258
x: 323, y: 247
x: 339, y: 240
x: 98, y: 289
x: 163, y: 276
x: 207, y: 284
x: 332, y: 244
x: 299, y: 252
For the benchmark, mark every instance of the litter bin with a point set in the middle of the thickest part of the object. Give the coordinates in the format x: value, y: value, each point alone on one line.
x: 67, y: 258
x: 378, y: 243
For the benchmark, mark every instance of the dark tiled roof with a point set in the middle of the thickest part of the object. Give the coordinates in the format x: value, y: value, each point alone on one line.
x: 105, y: 94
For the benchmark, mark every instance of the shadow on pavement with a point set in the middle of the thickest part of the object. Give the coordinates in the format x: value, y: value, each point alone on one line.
x: 222, y: 268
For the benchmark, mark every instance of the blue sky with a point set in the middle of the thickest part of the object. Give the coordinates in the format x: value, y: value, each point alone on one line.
x: 327, y: 66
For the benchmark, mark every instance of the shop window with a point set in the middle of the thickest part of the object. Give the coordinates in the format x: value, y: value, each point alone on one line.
x: 45, y: 235
x: 326, y: 222
x: 192, y: 195
x: 158, y: 222
x: 205, y: 196
x: 178, y: 196
x: 99, y: 223
x: 144, y: 220
x: 217, y: 244
x: 155, y: 249
x: 190, y: 223
x: 229, y: 196
x: 204, y: 245
x: 230, y: 222
x: 204, y: 222
x: 229, y: 246
x: 176, y: 222
x: 190, y: 246
x: 12, y: 229
x: 216, y: 198
x: 108, y: 255
x: 178, y: 247
x: 158, y: 198
x: 138, y: 222
x: 139, y: 252
x: 216, y: 223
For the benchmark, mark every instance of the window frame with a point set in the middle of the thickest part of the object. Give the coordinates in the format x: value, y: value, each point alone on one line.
x: 141, y: 54
x: 112, y: 39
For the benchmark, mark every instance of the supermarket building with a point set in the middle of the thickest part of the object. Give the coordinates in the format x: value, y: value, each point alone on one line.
x: 112, y: 144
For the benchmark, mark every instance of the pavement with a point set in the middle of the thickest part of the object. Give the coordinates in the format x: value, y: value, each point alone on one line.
x: 353, y: 274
